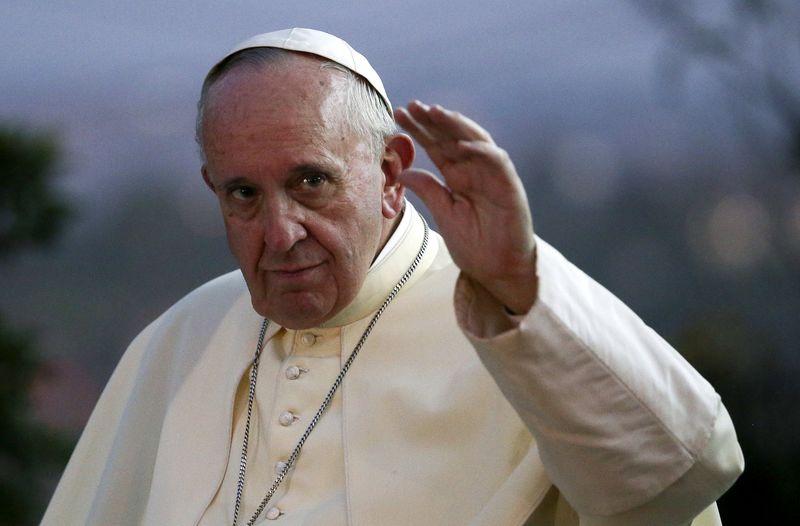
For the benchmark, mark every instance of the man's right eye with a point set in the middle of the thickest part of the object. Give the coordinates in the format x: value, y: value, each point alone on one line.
x: 242, y: 193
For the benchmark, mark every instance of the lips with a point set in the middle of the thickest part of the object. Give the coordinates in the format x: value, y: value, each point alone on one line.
x: 296, y: 276
x: 293, y: 270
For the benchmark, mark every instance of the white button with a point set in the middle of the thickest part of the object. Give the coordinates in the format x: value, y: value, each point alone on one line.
x: 293, y: 372
x: 286, y: 418
x: 308, y: 339
x: 274, y: 513
x: 279, y: 466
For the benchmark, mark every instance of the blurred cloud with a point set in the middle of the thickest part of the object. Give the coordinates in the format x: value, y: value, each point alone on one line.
x: 793, y: 224
x: 586, y: 169
x: 121, y: 78
x: 733, y: 234
x: 198, y: 210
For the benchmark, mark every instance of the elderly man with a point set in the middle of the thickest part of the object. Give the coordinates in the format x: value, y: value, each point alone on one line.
x: 335, y: 379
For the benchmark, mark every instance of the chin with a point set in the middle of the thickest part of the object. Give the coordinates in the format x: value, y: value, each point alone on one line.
x: 298, y: 323
x: 298, y: 317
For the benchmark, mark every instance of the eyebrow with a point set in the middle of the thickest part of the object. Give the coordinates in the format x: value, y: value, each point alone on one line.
x: 236, y: 181
x: 309, y: 167
x: 332, y: 169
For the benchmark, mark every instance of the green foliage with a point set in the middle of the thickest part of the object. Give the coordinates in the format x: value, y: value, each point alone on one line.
x: 30, y: 212
x: 28, y: 452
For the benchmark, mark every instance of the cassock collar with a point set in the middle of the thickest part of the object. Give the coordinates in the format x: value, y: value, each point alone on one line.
x: 390, y: 265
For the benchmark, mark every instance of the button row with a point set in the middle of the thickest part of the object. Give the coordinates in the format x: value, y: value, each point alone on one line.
x: 287, y: 418
x: 294, y: 372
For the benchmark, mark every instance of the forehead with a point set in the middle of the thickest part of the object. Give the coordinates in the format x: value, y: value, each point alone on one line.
x: 292, y: 102
x: 297, y: 86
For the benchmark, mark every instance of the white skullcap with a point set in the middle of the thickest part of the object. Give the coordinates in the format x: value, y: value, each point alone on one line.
x: 321, y: 44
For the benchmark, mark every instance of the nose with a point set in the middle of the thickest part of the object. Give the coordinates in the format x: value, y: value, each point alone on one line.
x: 283, y: 227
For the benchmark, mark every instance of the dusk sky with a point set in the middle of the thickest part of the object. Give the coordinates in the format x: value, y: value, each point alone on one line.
x: 118, y: 80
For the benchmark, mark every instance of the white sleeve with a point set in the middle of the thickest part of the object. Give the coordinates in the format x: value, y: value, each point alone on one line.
x: 627, y: 430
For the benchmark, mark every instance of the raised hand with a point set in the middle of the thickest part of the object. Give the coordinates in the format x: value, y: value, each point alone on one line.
x: 480, y: 207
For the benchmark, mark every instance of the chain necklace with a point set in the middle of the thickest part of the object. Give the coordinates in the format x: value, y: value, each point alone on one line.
x: 325, y: 402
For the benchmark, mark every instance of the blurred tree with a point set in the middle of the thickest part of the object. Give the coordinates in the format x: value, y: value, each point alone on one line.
x: 752, y: 48
x: 30, y: 213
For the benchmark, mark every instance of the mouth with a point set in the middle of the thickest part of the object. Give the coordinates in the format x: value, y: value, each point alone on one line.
x: 295, y: 273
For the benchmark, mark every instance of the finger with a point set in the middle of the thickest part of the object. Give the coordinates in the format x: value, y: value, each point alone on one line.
x: 431, y: 190
x: 417, y: 131
x: 484, y: 157
x: 493, y: 160
x: 447, y: 124
x: 483, y: 151
x: 421, y: 113
x: 436, y: 149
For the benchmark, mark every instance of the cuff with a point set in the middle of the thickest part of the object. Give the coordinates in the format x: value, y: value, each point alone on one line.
x: 478, y: 313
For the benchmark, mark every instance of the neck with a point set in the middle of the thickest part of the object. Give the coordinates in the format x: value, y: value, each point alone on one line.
x: 389, y: 230
x: 391, y: 263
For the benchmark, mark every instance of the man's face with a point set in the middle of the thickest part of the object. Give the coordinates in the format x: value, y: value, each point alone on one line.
x: 302, y: 197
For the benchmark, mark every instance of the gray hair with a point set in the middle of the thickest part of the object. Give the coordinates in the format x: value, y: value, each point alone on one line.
x: 363, y: 108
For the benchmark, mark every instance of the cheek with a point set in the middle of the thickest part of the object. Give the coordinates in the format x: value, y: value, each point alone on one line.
x: 244, y: 243
x: 353, y: 238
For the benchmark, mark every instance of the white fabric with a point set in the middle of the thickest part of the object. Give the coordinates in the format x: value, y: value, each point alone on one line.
x: 314, y: 494
x: 321, y: 44
x: 399, y: 233
x: 318, y: 354
x: 581, y: 394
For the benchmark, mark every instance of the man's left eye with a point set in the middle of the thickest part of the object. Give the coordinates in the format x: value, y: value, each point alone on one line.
x: 314, y: 180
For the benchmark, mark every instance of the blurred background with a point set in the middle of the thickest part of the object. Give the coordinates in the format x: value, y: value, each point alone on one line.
x: 659, y: 142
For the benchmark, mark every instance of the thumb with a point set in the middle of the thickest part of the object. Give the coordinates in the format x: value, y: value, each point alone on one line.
x: 429, y: 188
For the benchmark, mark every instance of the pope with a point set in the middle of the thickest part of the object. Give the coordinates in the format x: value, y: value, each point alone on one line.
x: 359, y: 367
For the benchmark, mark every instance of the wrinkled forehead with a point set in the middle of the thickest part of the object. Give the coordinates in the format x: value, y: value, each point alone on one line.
x: 291, y: 109
x: 297, y: 88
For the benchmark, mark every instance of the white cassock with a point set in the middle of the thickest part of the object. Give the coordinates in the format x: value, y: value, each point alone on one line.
x: 448, y: 416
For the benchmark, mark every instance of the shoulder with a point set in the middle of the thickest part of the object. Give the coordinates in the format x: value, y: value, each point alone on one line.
x: 215, y: 297
x: 202, y: 323
x: 198, y: 315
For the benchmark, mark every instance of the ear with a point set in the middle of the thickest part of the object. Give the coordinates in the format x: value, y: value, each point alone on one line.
x: 207, y: 178
x: 398, y: 155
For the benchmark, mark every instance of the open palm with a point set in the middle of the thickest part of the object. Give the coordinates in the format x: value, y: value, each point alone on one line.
x: 480, y: 207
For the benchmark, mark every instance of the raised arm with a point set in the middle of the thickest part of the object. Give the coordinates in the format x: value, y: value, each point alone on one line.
x: 627, y: 430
